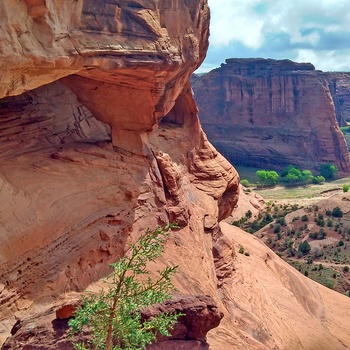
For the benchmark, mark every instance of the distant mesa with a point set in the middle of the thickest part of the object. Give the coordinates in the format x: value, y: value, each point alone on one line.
x: 247, y: 66
x: 271, y: 113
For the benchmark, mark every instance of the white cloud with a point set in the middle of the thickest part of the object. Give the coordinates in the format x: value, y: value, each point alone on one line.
x: 312, y: 30
x: 234, y: 20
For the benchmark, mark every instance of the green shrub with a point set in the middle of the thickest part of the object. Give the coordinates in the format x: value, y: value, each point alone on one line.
x: 248, y: 214
x: 304, y: 218
x: 245, y: 183
x: 304, y: 247
x: 346, y: 269
x: 281, y: 220
x: 113, y: 316
x: 267, y: 178
x: 346, y: 188
x: 337, y: 212
x: 277, y: 228
x: 255, y: 225
x: 328, y: 171
x: 322, y: 234
x: 268, y: 217
x: 309, y: 260
x: 318, y: 180
x: 313, y: 235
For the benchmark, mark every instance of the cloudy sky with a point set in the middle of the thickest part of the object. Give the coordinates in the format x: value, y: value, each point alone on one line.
x: 316, y: 31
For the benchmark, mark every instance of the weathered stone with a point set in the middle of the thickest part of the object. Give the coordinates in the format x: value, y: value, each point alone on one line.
x: 72, y: 201
x: 200, y: 314
x: 268, y: 113
x: 68, y: 310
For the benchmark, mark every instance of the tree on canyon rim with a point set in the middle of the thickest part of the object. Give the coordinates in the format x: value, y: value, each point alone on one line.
x: 113, y: 316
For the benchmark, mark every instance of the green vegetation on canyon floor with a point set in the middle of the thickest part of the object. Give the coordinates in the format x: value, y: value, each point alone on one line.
x: 309, y: 227
x: 290, y: 176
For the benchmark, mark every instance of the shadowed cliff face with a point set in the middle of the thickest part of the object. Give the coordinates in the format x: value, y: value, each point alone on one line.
x: 265, y: 112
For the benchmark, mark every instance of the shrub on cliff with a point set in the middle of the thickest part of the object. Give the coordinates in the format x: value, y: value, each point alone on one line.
x: 113, y: 316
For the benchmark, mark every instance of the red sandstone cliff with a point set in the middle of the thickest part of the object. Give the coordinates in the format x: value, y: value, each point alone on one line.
x: 268, y: 113
x: 339, y: 86
x: 76, y: 74
x: 72, y: 200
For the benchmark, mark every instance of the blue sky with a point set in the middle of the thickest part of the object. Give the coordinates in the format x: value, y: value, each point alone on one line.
x: 316, y: 31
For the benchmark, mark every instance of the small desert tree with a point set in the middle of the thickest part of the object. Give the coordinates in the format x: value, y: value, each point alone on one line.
x: 113, y: 315
x: 304, y: 247
x: 328, y: 171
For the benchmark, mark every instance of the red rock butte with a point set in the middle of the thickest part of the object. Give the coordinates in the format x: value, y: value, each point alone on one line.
x: 272, y: 113
x: 100, y: 139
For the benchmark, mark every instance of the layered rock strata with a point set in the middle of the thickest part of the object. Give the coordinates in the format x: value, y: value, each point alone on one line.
x: 114, y: 146
x: 92, y: 159
x: 269, y: 113
x: 339, y: 86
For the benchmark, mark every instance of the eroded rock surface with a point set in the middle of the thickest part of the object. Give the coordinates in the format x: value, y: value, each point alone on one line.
x: 200, y: 314
x: 89, y: 161
x: 270, y: 305
x: 72, y: 199
x: 273, y: 113
x: 339, y: 86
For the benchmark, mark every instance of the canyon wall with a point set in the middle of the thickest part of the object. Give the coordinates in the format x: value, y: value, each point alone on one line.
x: 100, y: 139
x: 268, y: 113
x: 339, y: 86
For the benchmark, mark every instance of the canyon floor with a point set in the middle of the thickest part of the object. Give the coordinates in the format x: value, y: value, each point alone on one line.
x: 284, y: 218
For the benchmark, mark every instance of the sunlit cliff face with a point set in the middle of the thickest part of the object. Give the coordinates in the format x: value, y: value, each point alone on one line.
x: 72, y: 201
x: 148, y: 48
